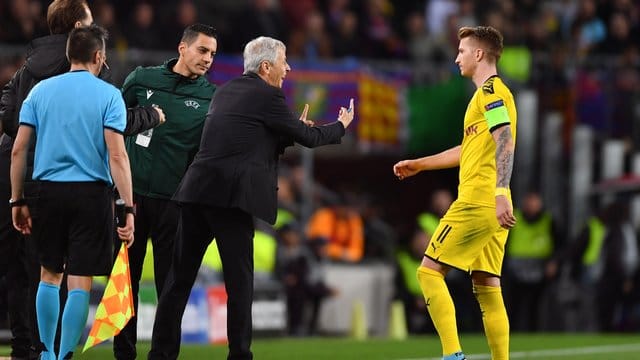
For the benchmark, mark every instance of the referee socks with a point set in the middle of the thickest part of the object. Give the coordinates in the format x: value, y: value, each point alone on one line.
x: 74, y: 319
x: 47, y: 311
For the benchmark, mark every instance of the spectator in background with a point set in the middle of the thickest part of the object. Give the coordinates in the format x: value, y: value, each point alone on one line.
x: 543, y: 31
x: 428, y: 221
x: 298, y: 268
x: 530, y: 265
x: 604, y: 261
x: 619, y: 37
x: 142, y: 30
x: 584, y: 257
x: 623, y: 97
x: 105, y: 16
x: 437, y: 13
x: 312, y: 41
x: 296, y: 12
x: 184, y: 15
x: 259, y: 18
x: 620, y: 261
x: 334, y: 12
x: 340, y: 227
x: 380, y: 40
x: 288, y: 207
x: 317, y: 192
x: 408, y: 258
x: 22, y: 22
x: 380, y: 238
x: 345, y: 38
x: 422, y: 46
x: 587, y: 28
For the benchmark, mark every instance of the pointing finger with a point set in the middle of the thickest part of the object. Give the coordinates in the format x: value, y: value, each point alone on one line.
x: 304, y: 112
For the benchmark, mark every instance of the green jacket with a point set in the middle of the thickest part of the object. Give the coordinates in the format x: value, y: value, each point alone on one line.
x: 158, y: 167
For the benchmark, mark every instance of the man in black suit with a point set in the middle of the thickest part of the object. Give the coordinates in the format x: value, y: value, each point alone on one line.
x: 232, y: 179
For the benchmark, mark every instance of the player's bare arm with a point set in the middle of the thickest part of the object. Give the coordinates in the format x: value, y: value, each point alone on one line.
x: 444, y: 160
x: 504, y: 167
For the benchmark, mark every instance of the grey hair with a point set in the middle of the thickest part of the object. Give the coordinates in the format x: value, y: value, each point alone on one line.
x: 261, y: 49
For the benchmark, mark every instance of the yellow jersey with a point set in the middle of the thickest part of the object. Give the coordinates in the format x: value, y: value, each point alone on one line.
x: 491, y: 106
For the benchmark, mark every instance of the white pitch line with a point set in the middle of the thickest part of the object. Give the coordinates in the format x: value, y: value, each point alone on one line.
x: 552, y: 353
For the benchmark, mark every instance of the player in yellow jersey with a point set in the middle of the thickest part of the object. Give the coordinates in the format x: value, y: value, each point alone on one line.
x: 472, y: 234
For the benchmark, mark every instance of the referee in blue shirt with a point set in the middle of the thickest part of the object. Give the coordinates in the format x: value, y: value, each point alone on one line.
x: 78, y: 121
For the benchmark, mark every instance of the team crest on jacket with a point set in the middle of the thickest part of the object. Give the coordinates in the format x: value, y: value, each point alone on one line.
x: 192, y: 103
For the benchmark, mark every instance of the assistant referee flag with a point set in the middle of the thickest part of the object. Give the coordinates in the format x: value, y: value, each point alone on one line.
x: 116, y: 307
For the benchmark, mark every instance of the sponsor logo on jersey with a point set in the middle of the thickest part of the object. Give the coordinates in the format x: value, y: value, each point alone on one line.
x: 471, y: 130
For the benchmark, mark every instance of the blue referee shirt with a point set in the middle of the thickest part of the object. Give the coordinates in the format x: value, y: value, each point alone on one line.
x: 69, y: 113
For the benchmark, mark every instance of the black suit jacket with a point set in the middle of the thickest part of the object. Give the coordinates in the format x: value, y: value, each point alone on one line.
x: 246, y: 129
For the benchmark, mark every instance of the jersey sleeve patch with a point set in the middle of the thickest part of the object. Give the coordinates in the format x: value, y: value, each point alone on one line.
x: 493, y: 105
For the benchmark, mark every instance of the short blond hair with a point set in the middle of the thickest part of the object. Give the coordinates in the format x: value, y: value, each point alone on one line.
x: 490, y: 38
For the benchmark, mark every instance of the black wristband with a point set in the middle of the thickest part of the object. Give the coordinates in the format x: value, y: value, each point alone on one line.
x: 130, y: 210
x: 19, y: 202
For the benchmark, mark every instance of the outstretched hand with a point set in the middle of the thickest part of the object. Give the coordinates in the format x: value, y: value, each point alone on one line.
x: 303, y: 117
x: 405, y: 168
x: 345, y: 116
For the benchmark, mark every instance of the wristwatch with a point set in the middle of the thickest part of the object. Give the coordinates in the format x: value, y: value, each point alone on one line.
x: 130, y: 210
x: 18, y: 202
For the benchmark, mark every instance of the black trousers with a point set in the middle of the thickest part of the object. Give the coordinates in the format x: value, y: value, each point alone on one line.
x: 158, y: 219
x: 233, y: 230
x: 20, y: 267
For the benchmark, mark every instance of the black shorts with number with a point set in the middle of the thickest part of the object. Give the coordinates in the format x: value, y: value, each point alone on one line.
x: 73, y: 225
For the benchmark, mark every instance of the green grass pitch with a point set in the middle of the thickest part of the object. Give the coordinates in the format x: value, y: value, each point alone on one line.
x: 523, y: 346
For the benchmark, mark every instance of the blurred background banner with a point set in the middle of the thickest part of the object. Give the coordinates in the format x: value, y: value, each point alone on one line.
x: 393, y: 113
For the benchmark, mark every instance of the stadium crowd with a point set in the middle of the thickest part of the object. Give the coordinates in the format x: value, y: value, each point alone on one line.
x: 584, y: 57
x: 380, y: 29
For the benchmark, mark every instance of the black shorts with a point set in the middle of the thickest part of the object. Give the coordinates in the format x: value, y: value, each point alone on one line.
x: 73, y: 225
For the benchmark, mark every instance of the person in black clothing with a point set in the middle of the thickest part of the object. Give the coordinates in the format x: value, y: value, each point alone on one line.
x: 46, y: 57
x: 231, y: 180
x: 298, y: 264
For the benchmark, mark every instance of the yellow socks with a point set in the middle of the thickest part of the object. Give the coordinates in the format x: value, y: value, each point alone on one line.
x: 440, y: 306
x: 494, y: 317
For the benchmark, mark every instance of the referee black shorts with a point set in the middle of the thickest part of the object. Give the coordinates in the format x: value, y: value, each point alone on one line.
x: 73, y: 226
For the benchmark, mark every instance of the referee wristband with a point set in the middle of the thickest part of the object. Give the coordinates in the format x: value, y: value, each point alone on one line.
x: 130, y: 210
x: 18, y: 202
x: 502, y: 191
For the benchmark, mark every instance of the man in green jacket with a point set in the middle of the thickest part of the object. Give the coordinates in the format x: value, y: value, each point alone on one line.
x: 159, y: 157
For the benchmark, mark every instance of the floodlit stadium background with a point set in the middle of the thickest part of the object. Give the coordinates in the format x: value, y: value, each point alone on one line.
x: 573, y: 66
